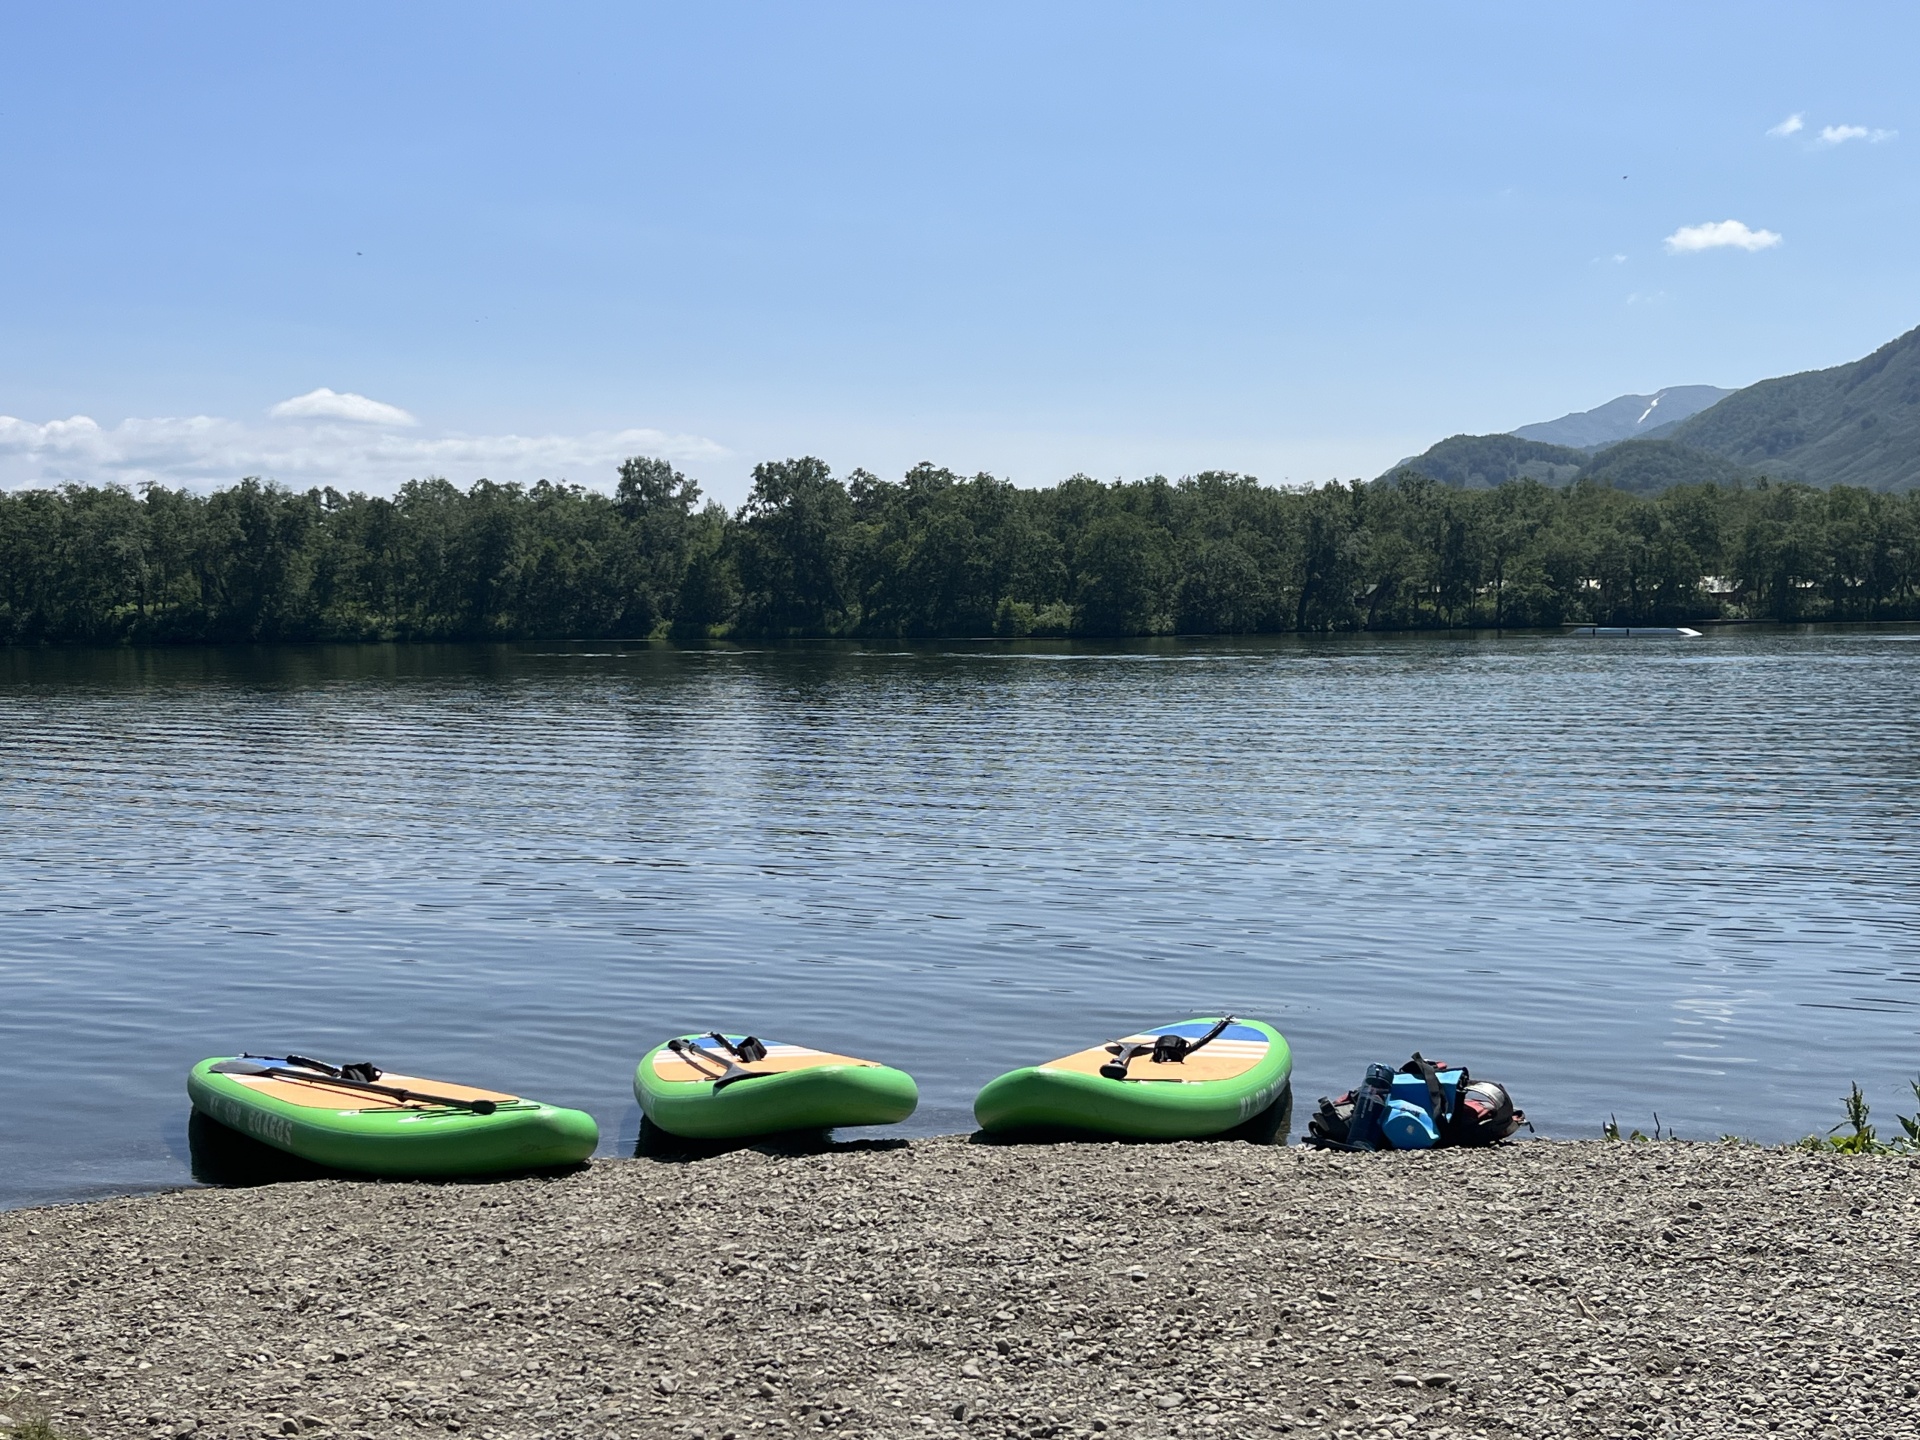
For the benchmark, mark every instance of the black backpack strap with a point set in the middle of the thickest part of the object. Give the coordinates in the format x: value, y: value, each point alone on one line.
x: 1327, y: 1130
x: 1462, y: 1126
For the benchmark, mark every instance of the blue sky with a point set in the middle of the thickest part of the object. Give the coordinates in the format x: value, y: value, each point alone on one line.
x: 1297, y: 241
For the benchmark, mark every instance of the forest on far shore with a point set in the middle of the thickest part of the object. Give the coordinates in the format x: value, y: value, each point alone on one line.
x: 935, y: 554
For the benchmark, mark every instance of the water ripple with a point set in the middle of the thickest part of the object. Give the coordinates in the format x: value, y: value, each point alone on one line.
x: 1623, y: 877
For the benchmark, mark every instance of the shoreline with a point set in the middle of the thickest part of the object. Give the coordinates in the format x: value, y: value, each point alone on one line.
x: 754, y: 641
x: 944, y: 1288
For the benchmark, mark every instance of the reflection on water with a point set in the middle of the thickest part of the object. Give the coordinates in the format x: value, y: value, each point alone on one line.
x: 1619, y: 876
x: 220, y: 1156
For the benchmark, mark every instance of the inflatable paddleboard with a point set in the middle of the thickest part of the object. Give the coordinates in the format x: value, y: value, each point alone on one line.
x: 386, y: 1124
x: 723, y: 1087
x: 1143, y: 1086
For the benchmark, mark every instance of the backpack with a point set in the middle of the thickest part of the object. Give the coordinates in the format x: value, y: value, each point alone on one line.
x: 1463, y: 1111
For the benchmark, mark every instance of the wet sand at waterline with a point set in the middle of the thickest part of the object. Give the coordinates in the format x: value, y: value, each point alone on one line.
x: 946, y: 1288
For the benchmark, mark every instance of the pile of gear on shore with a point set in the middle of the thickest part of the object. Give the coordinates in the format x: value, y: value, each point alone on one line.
x: 1423, y: 1105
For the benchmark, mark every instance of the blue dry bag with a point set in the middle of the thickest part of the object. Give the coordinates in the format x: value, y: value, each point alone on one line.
x: 1423, y: 1105
x: 1408, y: 1126
x: 1412, y: 1087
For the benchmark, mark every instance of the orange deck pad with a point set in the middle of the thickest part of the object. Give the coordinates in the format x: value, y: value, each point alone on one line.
x: 780, y: 1059
x: 318, y: 1095
x: 1220, y: 1060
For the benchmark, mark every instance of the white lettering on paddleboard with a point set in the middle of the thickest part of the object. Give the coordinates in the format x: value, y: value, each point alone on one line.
x: 1252, y: 1105
x: 274, y: 1129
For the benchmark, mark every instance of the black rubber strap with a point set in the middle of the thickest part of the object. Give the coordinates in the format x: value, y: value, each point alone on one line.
x: 1164, y: 1050
x: 723, y: 1072
x: 301, y: 1060
x: 1436, y: 1096
x: 746, y: 1052
x: 1175, y: 1049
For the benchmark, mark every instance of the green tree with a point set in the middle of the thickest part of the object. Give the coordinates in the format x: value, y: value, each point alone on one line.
x: 1120, y: 577
x: 791, y: 550
x: 709, y: 593
x: 1330, y: 561
x: 658, y: 505
x: 933, y: 554
x: 254, y: 563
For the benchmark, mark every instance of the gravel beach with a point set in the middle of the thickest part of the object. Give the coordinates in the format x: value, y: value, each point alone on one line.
x: 949, y: 1288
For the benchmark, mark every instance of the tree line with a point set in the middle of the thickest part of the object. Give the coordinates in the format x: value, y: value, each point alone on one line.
x: 934, y: 554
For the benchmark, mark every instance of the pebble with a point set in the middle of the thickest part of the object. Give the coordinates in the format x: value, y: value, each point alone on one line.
x: 885, y: 1292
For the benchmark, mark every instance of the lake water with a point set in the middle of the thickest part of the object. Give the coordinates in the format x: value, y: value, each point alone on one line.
x: 1625, y: 877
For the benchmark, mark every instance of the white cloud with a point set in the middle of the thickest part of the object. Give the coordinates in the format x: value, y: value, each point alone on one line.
x: 1792, y: 125
x: 204, y: 450
x: 325, y: 404
x: 1719, y: 235
x: 1840, y: 134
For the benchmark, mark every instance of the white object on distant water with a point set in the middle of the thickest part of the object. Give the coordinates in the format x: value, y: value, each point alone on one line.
x: 1637, y: 632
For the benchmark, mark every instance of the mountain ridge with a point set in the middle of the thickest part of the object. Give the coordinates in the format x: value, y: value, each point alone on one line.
x: 1625, y: 417
x: 1641, y: 466
x: 1851, y: 424
x: 1855, y: 424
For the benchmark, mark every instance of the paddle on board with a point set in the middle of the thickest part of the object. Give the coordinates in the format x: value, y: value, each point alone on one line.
x: 282, y: 1072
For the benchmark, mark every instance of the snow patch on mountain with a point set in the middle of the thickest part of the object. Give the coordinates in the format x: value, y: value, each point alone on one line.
x: 1624, y: 417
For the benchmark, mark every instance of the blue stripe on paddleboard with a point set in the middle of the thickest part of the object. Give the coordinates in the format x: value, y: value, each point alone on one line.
x: 707, y: 1035
x: 1194, y: 1029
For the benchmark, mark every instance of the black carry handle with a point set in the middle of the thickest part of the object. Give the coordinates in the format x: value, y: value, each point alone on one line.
x: 1124, y: 1055
x: 366, y: 1071
x: 1165, y: 1049
x: 718, y: 1068
x: 281, y: 1072
x: 746, y: 1052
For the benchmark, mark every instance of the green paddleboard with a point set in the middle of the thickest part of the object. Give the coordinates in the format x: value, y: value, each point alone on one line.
x: 1235, y: 1076
x: 351, y: 1129
x: 724, y: 1090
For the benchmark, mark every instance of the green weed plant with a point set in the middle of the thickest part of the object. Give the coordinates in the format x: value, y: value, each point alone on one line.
x: 1860, y: 1137
x: 22, y: 1420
